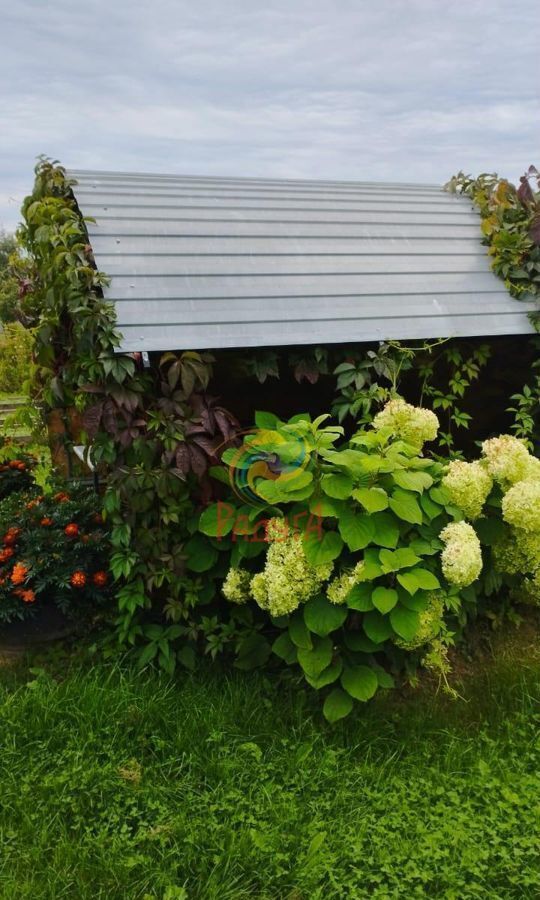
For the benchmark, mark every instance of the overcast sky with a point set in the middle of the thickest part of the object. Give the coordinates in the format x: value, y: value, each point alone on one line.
x: 409, y: 90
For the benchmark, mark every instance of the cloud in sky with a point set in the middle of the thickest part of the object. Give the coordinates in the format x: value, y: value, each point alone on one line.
x: 398, y: 90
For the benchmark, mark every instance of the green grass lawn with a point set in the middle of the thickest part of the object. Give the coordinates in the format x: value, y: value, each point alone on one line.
x: 231, y: 786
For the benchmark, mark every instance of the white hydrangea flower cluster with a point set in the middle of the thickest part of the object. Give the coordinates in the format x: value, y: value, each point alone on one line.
x: 469, y: 486
x: 412, y: 424
x: 518, y: 551
x: 521, y: 506
x: 461, y: 557
x: 431, y: 623
x: 339, y: 588
x: 235, y: 588
x: 508, y: 460
x: 287, y: 580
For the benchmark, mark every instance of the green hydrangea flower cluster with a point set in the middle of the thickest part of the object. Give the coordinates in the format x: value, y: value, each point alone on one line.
x: 431, y: 623
x: 287, y: 580
x: 469, y: 485
x: 508, y: 460
x: 235, y: 588
x: 339, y: 589
x: 412, y: 424
x: 461, y: 557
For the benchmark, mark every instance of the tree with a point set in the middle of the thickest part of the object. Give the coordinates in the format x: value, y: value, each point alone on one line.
x: 9, y: 289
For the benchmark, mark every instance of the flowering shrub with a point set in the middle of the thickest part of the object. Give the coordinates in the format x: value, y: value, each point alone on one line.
x: 16, y: 467
x: 361, y: 555
x: 52, y: 550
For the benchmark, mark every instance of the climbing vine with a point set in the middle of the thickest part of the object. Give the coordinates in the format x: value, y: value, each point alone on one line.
x: 511, y: 228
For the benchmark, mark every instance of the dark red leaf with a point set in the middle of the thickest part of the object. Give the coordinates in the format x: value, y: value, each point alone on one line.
x: 92, y: 418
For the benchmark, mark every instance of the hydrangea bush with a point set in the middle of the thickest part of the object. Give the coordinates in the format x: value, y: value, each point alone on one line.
x: 365, y: 555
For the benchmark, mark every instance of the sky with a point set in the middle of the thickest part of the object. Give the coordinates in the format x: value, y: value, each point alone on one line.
x: 374, y: 90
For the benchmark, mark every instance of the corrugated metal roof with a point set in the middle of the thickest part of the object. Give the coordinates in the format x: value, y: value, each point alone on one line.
x: 243, y: 262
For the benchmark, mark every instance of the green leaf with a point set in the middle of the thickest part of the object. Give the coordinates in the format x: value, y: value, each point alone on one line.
x: 394, y: 560
x: 418, y: 579
x: 323, y: 617
x: 406, y: 507
x: 360, y: 643
x: 321, y: 550
x: 147, y: 654
x: 327, y: 676
x: 252, y: 653
x: 439, y: 495
x: 384, y: 678
x: 298, y: 632
x: 337, y: 486
x: 405, y: 622
x: 377, y: 627
x: 186, y: 656
x: 412, y: 481
x: 322, y: 506
x: 337, y: 705
x: 201, y: 556
x: 386, y: 532
x: 360, y: 682
x: 418, y: 601
x: 431, y: 509
x: 314, y: 661
x: 384, y: 599
x: 489, y: 531
x: 372, y: 567
x: 285, y: 649
x: 356, y: 529
x: 217, y: 520
x: 373, y: 499
x: 266, y: 420
x: 359, y: 597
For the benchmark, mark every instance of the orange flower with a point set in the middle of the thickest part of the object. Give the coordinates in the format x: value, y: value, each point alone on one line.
x: 61, y: 497
x: 26, y: 596
x: 78, y: 579
x: 100, y: 579
x: 11, y: 536
x: 15, y: 463
x: 19, y: 573
x: 71, y: 530
x: 6, y: 553
x: 46, y: 521
x: 21, y: 466
x: 32, y: 504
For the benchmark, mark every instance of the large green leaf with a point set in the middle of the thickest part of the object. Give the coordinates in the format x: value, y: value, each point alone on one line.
x: 384, y: 599
x: 377, y: 627
x: 373, y: 499
x: 412, y: 481
x: 431, y: 509
x: 253, y: 652
x: 338, y: 486
x: 386, y: 532
x: 323, y: 506
x: 327, y: 676
x: 360, y: 682
x: 405, y: 505
x: 372, y: 567
x: 322, y: 548
x: 201, y: 556
x: 418, y: 579
x: 337, y: 705
x: 405, y: 622
x: 285, y: 649
x: 314, y: 661
x: 360, y: 643
x: 298, y: 632
x: 394, y: 560
x: 359, y: 597
x: 356, y: 529
x: 218, y: 519
x: 323, y: 617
